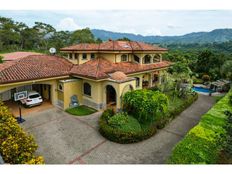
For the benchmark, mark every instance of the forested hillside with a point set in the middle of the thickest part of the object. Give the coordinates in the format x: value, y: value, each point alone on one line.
x: 218, y: 35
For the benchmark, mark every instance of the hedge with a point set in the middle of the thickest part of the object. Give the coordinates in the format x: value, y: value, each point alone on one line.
x: 204, y: 142
x: 16, y: 146
x: 120, y: 136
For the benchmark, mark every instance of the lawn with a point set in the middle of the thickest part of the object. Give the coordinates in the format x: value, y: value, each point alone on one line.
x: 81, y: 110
x: 131, y: 126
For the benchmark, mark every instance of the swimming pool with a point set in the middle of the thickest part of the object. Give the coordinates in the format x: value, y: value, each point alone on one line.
x: 201, y: 89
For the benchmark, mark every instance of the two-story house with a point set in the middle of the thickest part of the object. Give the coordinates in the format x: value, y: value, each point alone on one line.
x: 98, y: 74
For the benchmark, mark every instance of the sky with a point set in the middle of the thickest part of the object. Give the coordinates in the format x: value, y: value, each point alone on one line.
x: 144, y: 22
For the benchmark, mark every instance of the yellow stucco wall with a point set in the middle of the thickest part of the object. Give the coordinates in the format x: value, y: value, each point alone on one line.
x: 53, y: 82
x: 71, y: 87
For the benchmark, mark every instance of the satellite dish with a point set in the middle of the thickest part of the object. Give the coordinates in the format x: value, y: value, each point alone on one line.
x: 52, y: 50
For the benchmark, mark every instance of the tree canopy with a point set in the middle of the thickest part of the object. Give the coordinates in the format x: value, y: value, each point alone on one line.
x: 145, y: 105
x: 15, y: 36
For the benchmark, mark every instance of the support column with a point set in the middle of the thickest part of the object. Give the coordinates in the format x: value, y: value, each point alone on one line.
x: 151, y: 80
x: 160, y: 78
x: 161, y: 58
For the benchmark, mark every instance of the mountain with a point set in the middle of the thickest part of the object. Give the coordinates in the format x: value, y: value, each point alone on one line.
x: 217, y: 35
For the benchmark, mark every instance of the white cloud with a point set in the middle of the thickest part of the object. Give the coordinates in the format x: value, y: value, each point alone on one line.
x: 68, y: 24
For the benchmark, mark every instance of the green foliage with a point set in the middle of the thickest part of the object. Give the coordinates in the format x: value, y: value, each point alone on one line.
x: 124, y: 122
x: 107, y: 114
x: 16, y: 146
x: 119, y: 120
x: 1, y: 59
x: 128, y: 133
x: 205, y: 78
x: 175, y: 107
x: 81, y: 110
x: 226, y: 69
x: 197, y: 80
x: 124, y: 39
x: 228, y: 143
x: 204, y: 143
x: 82, y: 36
x: 180, y: 68
x: 40, y: 37
x: 145, y: 105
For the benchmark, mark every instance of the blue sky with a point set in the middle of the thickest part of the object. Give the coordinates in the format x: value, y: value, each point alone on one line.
x: 145, y: 22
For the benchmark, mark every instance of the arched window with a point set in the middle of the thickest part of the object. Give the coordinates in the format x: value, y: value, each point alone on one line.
x: 136, y: 59
x: 156, y: 58
x: 124, y: 58
x: 147, y: 59
x: 87, y: 89
x: 137, y: 81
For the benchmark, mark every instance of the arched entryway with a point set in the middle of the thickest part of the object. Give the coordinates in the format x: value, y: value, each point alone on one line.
x: 111, y: 96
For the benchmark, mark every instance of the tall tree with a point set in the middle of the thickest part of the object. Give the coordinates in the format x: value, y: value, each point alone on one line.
x: 82, y: 36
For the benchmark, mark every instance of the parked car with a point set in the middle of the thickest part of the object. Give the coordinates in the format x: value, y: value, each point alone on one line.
x: 33, y: 99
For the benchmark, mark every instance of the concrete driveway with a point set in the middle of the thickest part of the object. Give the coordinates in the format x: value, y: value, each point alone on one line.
x: 66, y: 139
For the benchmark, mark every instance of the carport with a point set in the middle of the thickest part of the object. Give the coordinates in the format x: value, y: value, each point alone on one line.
x: 43, y: 89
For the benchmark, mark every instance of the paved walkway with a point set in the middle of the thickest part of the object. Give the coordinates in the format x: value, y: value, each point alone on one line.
x: 65, y: 139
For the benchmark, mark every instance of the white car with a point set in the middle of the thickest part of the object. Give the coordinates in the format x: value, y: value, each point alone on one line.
x: 33, y: 99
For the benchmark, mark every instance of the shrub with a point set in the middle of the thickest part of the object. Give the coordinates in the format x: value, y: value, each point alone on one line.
x: 118, y: 120
x: 205, y: 78
x: 174, y: 111
x: 127, y: 133
x: 197, y: 80
x: 107, y: 114
x: 16, y: 146
x: 124, y: 122
x: 145, y: 105
x: 205, y: 141
x: 230, y: 99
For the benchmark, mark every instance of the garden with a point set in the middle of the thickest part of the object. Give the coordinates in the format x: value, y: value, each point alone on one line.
x: 210, y: 142
x: 144, y: 111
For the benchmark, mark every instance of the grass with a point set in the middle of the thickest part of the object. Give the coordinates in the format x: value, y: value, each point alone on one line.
x: 131, y: 126
x: 81, y: 110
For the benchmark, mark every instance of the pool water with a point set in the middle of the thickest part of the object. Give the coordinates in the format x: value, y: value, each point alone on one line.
x: 201, y: 89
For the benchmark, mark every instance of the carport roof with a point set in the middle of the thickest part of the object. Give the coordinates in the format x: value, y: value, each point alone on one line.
x: 34, y: 67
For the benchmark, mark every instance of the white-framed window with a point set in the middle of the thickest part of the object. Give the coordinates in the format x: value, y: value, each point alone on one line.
x: 124, y: 58
x: 87, y: 89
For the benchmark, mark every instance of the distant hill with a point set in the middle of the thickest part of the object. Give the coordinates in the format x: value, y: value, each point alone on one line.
x: 217, y: 35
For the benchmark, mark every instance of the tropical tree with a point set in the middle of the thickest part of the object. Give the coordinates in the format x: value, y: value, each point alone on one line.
x: 82, y: 36
x: 145, y: 105
x: 226, y: 70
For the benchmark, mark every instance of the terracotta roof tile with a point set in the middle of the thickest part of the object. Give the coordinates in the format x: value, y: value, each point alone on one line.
x: 17, y: 55
x: 34, y: 67
x: 115, y: 46
x: 100, y: 68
